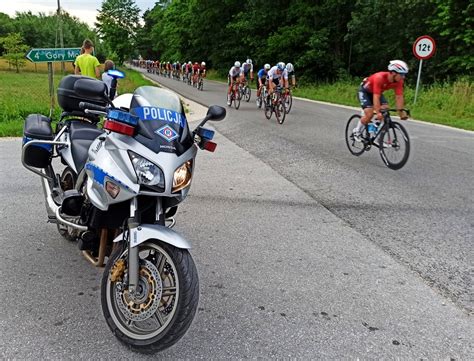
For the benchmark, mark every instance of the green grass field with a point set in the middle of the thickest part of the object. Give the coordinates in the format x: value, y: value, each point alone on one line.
x: 27, y: 92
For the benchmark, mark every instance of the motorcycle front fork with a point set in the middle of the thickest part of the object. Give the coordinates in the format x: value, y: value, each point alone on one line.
x: 133, y: 257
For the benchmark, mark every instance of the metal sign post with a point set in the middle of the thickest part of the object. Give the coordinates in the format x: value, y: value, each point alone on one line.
x: 49, y: 56
x: 423, y: 48
x: 51, y: 88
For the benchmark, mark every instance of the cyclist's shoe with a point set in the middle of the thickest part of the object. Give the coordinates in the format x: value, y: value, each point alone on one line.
x: 357, y: 136
x: 228, y: 100
x: 259, y: 102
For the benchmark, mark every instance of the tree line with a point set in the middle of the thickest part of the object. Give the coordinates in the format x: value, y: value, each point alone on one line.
x: 324, y: 39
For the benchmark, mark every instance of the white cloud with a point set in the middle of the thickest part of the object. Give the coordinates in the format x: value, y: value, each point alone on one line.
x: 86, y: 13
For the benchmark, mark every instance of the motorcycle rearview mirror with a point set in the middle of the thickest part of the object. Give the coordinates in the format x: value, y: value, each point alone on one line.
x: 215, y: 113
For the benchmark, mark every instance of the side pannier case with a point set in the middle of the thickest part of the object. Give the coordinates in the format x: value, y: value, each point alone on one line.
x: 37, y: 127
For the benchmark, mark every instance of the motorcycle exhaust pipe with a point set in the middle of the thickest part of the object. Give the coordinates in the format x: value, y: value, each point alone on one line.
x: 53, y: 210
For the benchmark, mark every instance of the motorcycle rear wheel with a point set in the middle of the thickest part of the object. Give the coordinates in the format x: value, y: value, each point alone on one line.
x: 169, y: 295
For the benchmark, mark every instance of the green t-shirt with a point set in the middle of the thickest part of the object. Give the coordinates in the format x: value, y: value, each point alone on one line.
x: 87, y: 64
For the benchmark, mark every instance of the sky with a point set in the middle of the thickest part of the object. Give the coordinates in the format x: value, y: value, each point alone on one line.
x: 85, y: 10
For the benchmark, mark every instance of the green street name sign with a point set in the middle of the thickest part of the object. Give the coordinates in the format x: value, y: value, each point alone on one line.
x: 53, y: 55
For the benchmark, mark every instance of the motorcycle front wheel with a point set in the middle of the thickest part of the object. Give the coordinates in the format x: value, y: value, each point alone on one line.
x: 165, y: 303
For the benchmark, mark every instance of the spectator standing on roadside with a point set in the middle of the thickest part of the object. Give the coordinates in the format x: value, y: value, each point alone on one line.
x: 87, y: 64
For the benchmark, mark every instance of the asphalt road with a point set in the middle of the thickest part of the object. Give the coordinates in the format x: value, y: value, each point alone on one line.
x: 302, y: 249
x: 421, y: 215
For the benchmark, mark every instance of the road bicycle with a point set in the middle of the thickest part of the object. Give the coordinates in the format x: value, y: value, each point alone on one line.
x: 288, y: 100
x: 274, y: 104
x: 245, y: 91
x: 261, y: 100
x: 200, y: 84
x: 389, y: 136
x: 235, y: 96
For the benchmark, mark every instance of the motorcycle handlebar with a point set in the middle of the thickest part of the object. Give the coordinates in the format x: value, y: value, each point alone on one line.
x: 92, y: 106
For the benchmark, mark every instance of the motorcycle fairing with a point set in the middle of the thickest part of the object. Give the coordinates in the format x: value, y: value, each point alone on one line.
x: 100, y: 176
x: 163, y: 114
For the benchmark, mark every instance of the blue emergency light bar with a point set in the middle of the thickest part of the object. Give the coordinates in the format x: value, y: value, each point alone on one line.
x: 122, y: 117
x: 205, y: 133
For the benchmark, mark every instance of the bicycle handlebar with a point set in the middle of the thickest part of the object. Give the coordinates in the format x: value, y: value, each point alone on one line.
x: 395, y: 110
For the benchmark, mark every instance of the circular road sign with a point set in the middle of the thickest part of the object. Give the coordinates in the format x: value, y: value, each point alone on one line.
x: 424, y: 47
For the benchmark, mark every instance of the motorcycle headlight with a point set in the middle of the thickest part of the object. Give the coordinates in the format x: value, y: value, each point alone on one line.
x: 182, y: 176
x: 148, y: 173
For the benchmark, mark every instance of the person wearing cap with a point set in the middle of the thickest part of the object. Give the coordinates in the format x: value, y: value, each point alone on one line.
x: 371, y: 93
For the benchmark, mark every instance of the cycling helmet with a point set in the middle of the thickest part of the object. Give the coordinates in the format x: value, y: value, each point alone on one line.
x: 249, y: 61
x: 267, y: 66
x: 203, y: 64
x: 398, y: 66
x: 189, y: 62
x: 237, y: 64
x: 281, y: 66
x: 290, y: 67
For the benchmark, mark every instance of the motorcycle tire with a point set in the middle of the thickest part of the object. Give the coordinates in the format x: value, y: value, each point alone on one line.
x: 170, y: 293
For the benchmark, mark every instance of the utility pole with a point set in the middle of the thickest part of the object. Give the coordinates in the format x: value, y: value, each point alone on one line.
x: 61, y: 39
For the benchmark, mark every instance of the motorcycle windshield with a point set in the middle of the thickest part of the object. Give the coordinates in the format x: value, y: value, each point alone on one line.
x: 162, y: 113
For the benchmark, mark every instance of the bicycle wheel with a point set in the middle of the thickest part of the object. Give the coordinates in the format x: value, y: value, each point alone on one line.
x: 237, y: 100
x: 394, y: 145
x: 268, y: 109
x: 280, y: 111
x: 264, y: 96
x: 354, y: 146
x: 288, y: 102
x: 248, y: 93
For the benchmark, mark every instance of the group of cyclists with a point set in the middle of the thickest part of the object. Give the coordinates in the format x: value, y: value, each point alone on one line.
x: 192, y: 73
x: 370, y: 93
x: 282, y: 77
x: 269, y: 77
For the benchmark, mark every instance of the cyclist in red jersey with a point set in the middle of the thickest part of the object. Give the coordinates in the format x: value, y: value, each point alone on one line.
x: 371, y: 93
x: 203, y: 69
x: 196, y: 68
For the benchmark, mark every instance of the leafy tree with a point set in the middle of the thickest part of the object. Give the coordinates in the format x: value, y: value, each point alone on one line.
x: 6, y: 24
x: 325, y: 39
x: 453, y: 22
x: 6, y: 27
x: 14, y: 50
x: 118, y: 23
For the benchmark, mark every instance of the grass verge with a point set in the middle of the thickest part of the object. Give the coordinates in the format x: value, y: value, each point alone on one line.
x: 28, y: 92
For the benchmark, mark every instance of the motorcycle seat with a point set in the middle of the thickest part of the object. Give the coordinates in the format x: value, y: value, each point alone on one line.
x: 82, y: 135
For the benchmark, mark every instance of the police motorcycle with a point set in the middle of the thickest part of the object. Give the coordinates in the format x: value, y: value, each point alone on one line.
x: 117, y: 197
